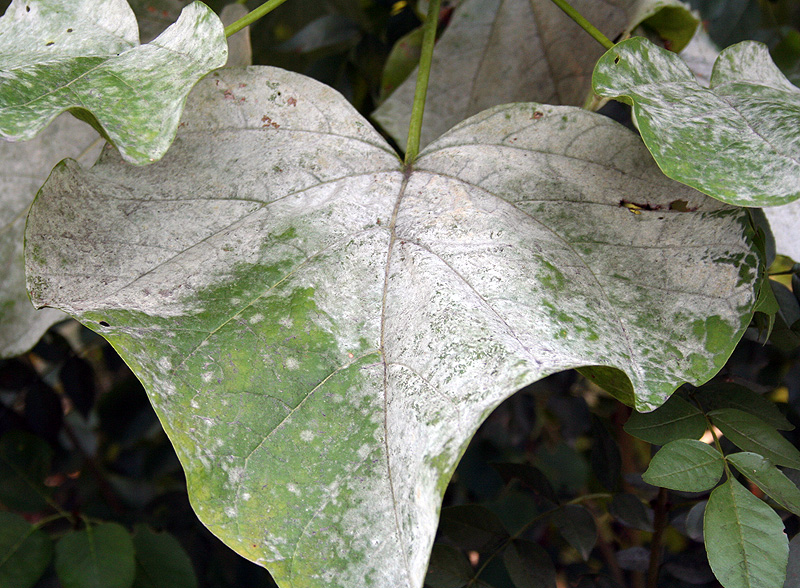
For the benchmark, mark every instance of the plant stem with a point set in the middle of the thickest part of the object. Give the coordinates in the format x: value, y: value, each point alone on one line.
x: 659, y: 525
x: 252, y: 16
x: 423, y: 75
x: 583, y: 23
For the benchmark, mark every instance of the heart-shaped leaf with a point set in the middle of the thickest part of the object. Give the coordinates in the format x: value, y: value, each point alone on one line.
x: 322, y: 330
x: 497, y: 51
x: 738, y: 141
x: 25, y: 168
x: 84, y: 56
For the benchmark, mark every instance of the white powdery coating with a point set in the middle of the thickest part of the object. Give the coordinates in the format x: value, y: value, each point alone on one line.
x: 398, y: 308
x: 87, y: 55
x: 26, y: 166
x: 736, y: 140
x: 785, y: 224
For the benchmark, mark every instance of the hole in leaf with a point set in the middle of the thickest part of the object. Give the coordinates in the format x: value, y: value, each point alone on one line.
x: 27, y: 9
x: 49, y: 43
x: 616, y: 59
x: 104, y: 324
x: 69, y: 30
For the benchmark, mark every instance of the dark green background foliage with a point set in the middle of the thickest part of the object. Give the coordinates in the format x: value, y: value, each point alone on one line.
x: 550, y: 486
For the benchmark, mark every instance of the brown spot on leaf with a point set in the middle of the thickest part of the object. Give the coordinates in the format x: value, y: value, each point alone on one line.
x: 537, y: 115
x: 291, y: 101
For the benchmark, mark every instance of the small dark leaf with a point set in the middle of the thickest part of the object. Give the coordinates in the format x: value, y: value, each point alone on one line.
x: 685, y: 465
x: 324, y: 32
x: 793, y: 569
x: 52, y: 347
x: 629, y: 510
x: 24, y: 464
x: 531, y: 477
x: 566, y: 468
x: 577, y: 526
x: 729, y: 395
x: 529, y: 565
x: 605, y: 457
x: 636, y: 559
x: 100, y: 556
x: 161, y: 562
x: 675, y: 419
x: 750, y: 433
x: 770, y: 479
x: 472, y: 527
x: 689, y: 568
x: 694, y: 520
x: 77, y: 378
x: 448, y: 568
x: 16, y: 375
x: 44, y: 412
x: 25, y: 552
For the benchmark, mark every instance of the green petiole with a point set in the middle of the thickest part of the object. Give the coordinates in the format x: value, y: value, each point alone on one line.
x: 423, y: 75
x: 252, y: 16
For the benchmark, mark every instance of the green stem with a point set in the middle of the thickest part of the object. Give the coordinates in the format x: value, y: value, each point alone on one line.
x: 423, y: 75
x: 583, y: 23
x: 252, y: 16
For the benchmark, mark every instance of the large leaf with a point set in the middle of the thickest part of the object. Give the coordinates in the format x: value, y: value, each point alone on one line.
x: 85, y: 56
x: 744, y: 539
x: 321, y: 331
x: 497, y: 51
x: 737, y: 141
x: 25, y: 167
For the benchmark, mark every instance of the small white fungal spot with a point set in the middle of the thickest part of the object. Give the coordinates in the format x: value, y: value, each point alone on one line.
x: 256, y: 318
x: 246, y: 496
x: 293, y: 489
x: 195, y: 404
x: 230, y: 511
x: 286, y: 322
x: 207, y: 376
x: 291, y: 363
x: 164, y: 364
x: 236, y: 301
x: 307, y: 435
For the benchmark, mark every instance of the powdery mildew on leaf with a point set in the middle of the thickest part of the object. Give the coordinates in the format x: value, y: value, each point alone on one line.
x: 785, y: 224
x: 25, y: 168
x: 85, y: 56
x: 737, y: 141
x: 498, y: 51
x: 321, y: 331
